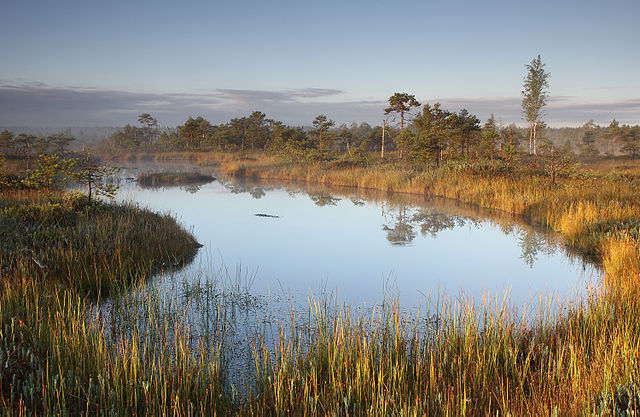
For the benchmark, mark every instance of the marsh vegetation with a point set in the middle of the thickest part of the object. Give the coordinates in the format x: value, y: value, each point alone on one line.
x: 85, y: 331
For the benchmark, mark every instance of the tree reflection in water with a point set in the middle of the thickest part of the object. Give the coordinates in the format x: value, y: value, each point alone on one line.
x: 402, y: 220
x: 401, y: 234
x: 322, y: 199
x: 432, y: 222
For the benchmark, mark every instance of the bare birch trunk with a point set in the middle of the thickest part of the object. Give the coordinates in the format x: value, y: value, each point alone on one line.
x: 531, y: 139
x: 384, y: 125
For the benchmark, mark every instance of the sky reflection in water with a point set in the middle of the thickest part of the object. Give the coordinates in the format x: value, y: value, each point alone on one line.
x: 358, y: 246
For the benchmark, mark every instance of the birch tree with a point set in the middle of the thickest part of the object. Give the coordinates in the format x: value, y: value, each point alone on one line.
x: 534, y: 97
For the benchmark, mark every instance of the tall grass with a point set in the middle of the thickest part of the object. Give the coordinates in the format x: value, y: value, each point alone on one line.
x: 85, y: 245
x: 58, y: 359
x: 584, y: 362
x: 59, y: 253
x: 144, y: 358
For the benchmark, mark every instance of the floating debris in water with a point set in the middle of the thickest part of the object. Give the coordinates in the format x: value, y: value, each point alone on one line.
x: 272, y: 216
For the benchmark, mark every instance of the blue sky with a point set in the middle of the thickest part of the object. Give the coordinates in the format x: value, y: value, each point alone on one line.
x: 91, y: 63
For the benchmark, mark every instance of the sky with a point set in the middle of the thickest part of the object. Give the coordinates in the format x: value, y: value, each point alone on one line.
x: 102, y: 63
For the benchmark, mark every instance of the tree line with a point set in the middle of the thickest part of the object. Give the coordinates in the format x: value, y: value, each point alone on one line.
x: 418, y: 133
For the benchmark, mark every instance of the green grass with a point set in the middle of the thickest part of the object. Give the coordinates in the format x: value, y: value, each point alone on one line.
x: 454, y: 359
x: 89, y: 246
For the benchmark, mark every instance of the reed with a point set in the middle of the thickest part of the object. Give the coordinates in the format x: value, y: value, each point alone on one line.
x: 60, y: 357
x: 146, y: 356
x: 87, y: 245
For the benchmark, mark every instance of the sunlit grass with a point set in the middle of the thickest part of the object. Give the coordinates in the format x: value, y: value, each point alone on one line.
x: 87, y: 245
x: 150, y: 355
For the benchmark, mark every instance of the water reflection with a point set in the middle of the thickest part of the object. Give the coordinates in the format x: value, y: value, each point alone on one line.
x: 322, y: 199
x: 255, y: 192
x: 364, y: 248
x: 350, y: 241
x: 402, y: 218
x: 401, y: 234
x: 531, y: 244
x: 191, y: 189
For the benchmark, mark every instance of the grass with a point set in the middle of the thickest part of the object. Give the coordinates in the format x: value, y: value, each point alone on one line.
x: 59, y: 253
x: 454, y: 359
x: 87, y: 245
x: 585, y: 362
x: 60, y: 360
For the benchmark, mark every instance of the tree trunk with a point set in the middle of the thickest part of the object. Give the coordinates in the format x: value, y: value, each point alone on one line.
x: 384, y: 125
x: 535, y: 149
x: 531, y: 139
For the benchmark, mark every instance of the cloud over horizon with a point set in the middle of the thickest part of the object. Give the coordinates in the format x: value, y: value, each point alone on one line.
x: 38, y: 105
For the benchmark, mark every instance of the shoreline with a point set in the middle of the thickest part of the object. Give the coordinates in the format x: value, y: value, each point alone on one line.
x: 579, y: 364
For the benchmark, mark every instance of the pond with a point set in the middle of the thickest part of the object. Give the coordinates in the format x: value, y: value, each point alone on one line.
x: 294, y: 240
x: 270, y: 250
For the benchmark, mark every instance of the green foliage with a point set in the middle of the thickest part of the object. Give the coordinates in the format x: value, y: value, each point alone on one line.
x: 490, y: 139
x: 510, y: 156
x: 49, y: 172
x: 401, y: 103
x: 6, y: 141
x: 321, y: 126
x: 128, y: 138
x: 60, y: 141
x: 587, y: 148
x: 88, y: 172
x: 465, y: 126
x: 196, y: 133
x: 434, y: 130
x: 149, y: 123
x: 631, y: 144
x: 556, y: 161
x: 534, y: 93
x: 534, y: 97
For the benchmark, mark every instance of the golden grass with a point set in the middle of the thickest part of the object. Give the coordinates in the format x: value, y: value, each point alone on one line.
x: 457, y: 359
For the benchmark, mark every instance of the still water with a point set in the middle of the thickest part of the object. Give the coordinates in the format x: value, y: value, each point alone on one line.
x: 295, y: 240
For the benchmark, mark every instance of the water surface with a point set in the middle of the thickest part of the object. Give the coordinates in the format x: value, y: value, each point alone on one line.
x: 364, y: 246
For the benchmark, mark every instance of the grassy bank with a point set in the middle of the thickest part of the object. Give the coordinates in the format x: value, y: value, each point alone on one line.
x: 584, y: 362
x: 585, y: 208
x: 452, y: 360
x: 90, y: 246
x: 57, y: 254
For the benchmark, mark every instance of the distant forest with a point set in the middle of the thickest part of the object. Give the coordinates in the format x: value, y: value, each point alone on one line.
x: 449, y: 136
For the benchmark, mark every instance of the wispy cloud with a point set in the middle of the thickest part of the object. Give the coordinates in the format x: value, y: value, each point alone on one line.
x: 561, y: 110
x: 38, y: 104
x: 285, y: 96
